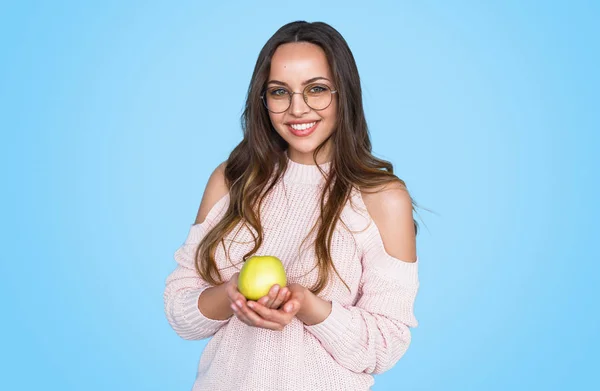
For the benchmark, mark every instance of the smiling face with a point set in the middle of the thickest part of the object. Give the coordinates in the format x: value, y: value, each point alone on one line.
x: 293, y: 67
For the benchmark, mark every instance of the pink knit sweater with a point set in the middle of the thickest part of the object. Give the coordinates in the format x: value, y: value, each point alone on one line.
x: 366, y: 333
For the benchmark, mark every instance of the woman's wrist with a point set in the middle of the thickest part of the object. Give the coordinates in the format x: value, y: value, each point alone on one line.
x: 314, y: 310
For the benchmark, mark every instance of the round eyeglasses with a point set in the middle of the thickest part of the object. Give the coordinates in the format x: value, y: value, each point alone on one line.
x: 278, y: 99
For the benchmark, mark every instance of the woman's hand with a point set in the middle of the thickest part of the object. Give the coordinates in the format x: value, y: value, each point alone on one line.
x: 280, y: 317
x: 239, y: 304
x: 275, y: 297
x: 233, y: 294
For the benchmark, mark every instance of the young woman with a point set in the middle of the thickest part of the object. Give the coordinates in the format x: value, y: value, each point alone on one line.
x: 303, y: 186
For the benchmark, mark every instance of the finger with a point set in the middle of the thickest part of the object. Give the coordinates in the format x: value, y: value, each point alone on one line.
x: 231, y: 295
x: 230, y: 288
x: 243, y: 315
x: 285, y: 299
x: 267, y: 300
x: 233, y: 281
x: 272, y: 295
x: 236, y: 305
x: 234, y: 295
x: 270, y: 315
x: 239, y: 314
x: 280, y: 298
x: 258, y: 321
x: 292, y: 306
x: 263, y: 300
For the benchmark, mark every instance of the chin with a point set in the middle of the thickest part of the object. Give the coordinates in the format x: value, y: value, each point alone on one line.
x: 307, y: 148
x: 304, y: 146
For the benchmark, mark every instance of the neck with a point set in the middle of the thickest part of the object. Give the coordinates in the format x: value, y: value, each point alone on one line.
x: 306, y: 173
x: 323, y: 157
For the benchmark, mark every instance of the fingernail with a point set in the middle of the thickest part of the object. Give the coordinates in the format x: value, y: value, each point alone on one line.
x: 251, y: 305
x: 233, y: 307
x: 276, y: 289
x: 239, y: 303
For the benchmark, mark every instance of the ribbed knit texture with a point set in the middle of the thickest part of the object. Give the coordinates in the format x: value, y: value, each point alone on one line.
x: 367, y: 331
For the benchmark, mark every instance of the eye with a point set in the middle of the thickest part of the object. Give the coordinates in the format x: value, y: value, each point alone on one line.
x: 317, y: 89
x: 277, y: 92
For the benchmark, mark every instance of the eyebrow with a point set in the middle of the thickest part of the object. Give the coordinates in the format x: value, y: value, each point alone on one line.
x: 304, y: 83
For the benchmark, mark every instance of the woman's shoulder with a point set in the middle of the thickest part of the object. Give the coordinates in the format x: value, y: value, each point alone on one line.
x: 216, y: 189
x: 389, y: 210
x: 393, y: 190
x: 372, y: 199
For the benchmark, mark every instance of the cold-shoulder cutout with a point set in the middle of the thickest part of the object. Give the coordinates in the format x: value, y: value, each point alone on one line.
x: 215, y: 212
x: 215, y: 190
x: 391, y: 229
x: 185, y: 254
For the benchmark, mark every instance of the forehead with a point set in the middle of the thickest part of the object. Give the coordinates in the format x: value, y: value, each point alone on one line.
x: 296, y: 62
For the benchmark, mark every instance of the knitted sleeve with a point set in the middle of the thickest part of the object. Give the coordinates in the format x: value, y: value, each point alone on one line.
x: 184, y: 286
x: 372, y: 335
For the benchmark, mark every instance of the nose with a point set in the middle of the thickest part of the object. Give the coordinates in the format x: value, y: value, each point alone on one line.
x: 298, y: 106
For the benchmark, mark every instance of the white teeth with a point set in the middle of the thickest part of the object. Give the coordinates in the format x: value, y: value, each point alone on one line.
x: 303, y: 126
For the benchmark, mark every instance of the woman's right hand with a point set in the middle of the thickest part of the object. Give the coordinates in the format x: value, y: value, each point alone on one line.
x: 233, y: 294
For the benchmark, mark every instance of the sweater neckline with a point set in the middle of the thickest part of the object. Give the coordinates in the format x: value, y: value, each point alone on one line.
x: 305, y: 173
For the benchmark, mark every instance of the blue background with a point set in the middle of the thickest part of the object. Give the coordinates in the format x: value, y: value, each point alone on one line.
x: 113, y: 116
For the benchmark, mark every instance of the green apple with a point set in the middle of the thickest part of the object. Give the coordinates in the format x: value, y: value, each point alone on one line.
x: 259, y: 274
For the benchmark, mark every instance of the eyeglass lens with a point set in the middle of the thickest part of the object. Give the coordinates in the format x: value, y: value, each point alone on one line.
x: 317, y: 96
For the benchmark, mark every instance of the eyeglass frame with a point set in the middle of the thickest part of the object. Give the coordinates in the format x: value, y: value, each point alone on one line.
x: 304, y: 98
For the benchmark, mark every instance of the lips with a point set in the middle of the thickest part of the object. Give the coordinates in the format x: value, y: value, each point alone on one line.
x: 302, y: 131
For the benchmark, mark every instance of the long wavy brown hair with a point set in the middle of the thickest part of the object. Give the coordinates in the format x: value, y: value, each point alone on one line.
x: 257, y: 163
